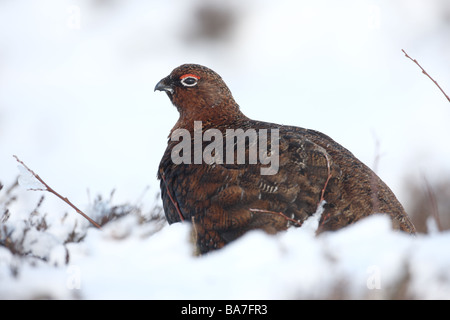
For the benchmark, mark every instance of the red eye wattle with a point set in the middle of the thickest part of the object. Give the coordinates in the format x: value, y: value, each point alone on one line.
x: 189, y: 75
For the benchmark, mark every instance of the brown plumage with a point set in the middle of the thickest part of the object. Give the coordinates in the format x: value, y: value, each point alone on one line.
x: 224, y: 200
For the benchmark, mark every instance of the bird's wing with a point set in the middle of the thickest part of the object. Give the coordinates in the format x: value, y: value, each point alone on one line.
x: 233, y: 198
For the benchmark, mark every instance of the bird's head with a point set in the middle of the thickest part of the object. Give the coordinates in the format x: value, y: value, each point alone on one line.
x: 198, y: 92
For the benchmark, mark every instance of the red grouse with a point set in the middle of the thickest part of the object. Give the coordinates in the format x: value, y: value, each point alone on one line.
x: 212, y: 176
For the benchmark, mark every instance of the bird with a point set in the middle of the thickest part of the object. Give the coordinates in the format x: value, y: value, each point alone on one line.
x: 224, y: 198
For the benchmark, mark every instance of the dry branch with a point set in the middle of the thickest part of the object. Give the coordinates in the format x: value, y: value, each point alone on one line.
x: 426, y: 73
x: 172, y: 200
x: 326, y: 182
x: 51, y: 190
x: 434, y: 206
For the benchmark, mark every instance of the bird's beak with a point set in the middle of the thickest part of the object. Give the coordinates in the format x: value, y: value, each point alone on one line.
x: 164, y: 85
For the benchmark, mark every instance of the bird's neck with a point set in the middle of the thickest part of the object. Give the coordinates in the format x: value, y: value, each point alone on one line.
x: 218, y: 116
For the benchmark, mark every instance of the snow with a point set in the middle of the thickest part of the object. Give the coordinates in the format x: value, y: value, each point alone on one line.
x: 130, y: 260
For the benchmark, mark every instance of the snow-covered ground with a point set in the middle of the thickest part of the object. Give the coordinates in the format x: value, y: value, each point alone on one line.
x: 130, y: 260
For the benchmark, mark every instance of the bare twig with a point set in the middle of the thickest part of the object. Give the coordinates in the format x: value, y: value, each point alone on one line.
x: 278, y: 213
x: 51, y: 190
x: 425, y: 73
x: 326, y: 182
x: 172, y: 200
x: 434, y: 206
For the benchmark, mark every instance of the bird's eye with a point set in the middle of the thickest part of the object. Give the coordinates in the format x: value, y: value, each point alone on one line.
x: 189, y: 80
